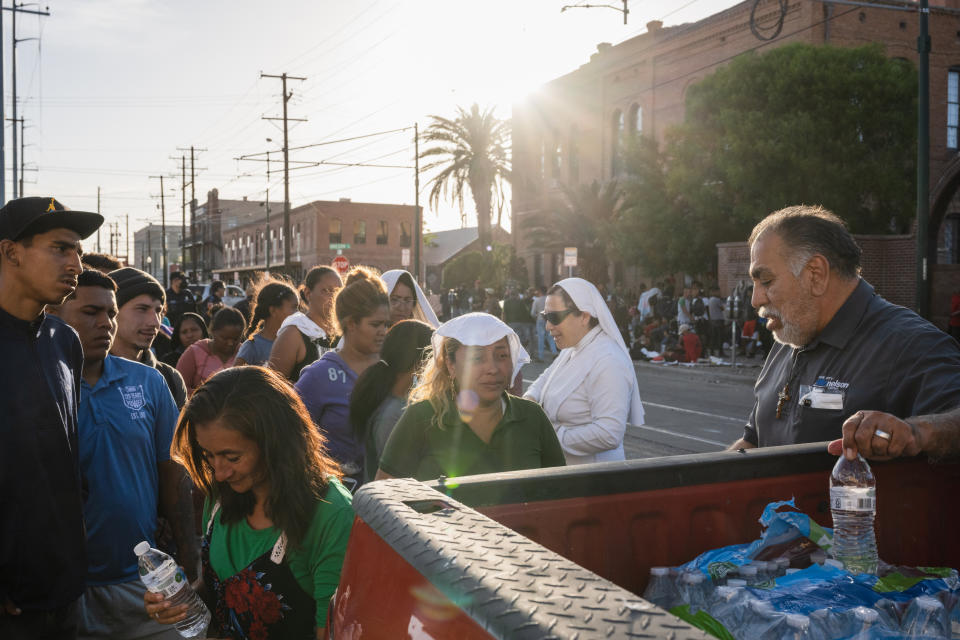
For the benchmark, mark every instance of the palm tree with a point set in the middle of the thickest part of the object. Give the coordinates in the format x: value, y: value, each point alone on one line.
x: 471, y: 151
x: 584, y: 217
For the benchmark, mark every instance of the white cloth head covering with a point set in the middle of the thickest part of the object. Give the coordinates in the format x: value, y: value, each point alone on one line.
x: 588, y: 298
x: 307, y: 326
x: 480, y: 329
x: 423, y: 311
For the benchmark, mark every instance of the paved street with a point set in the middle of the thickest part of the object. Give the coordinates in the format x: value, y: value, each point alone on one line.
x: 687, y: 410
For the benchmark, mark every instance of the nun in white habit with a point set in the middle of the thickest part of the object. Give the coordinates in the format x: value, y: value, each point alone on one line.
x: 407, y: 300
x: 590, y: 391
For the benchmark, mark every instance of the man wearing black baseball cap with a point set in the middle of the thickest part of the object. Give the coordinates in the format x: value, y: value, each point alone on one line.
x: 41, y: 523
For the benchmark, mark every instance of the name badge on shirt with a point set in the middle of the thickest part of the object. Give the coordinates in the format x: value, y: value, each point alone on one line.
x: 824, y: 394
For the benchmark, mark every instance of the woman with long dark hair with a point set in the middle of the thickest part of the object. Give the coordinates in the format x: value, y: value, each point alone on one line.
x: 188, y: 328
x: 380, y: 395
x: 277, y: 519
x: 273, y: 303
x: 205, y: 357
x: 363, y: 313
x: 305, y: 336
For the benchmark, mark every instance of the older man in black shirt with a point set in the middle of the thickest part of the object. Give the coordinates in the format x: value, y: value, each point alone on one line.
x: 841, y: 348
x: 42, y: 559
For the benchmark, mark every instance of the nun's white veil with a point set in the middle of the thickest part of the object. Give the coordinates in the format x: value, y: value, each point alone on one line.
x: 423, y: 311
x: 479, y: 330
x: 588, y: 298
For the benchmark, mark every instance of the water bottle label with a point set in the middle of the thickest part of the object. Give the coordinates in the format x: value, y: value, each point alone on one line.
x: 853, y: 499
x: 174, y: 579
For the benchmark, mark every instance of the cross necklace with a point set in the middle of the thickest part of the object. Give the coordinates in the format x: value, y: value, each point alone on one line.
x: 783, y: 397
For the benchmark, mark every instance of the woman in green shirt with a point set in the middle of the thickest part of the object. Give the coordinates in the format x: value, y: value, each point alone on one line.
x: 277, y: 519
x: 461, y: 420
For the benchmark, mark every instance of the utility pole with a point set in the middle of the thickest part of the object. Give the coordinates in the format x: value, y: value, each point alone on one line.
x: 17, y: 8
x: 98, y: 211
x: 193, y: 207
x: 126, y: 235
x: 163, y: 232
x: 267, y: 207
x: 286, y: 164
x: 923, y: 162
x: 183, y: 213
x: 418, y: 218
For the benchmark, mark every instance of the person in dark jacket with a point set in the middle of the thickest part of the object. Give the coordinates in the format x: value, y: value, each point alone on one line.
x: 180, y: 299
x: 42, y: 548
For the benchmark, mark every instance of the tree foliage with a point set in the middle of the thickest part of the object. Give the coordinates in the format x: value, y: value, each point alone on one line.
x: 582, y: 217
x: 496, y: 269
x: 469, y: 152
x: 798, y: 124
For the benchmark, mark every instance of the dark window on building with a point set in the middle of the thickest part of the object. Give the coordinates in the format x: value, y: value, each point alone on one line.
x: 360, y: 232
x: 948, y: 241
x: 405, y: 238
x: 636, y: 120
x: 336, y: 231
x: 573, y: 155
x: 616, y: 135
x: 953, y: 107
x: 556, y: 159
x: 383, y: 232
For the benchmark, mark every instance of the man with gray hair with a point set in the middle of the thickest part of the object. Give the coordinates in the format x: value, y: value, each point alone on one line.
x: 840, y: 347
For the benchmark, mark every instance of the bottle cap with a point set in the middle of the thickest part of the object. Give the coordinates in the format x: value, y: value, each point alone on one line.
x: 141, y: 548
x: 865, y: 615
x: 659, y: 571
x: 927, y: 602
x: 783, y: 563
x: 736, y: 582
x: 833, y: 562
x: 748, y: 570
x: 694, y: 578
x: 792, y: 570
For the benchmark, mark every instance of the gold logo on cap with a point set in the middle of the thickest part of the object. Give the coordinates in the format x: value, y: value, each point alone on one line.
x: 53, y: 205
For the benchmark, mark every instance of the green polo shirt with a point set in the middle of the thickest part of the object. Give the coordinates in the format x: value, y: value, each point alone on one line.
x: 418, y: 448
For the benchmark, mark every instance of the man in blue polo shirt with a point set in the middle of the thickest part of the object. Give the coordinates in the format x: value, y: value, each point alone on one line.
x: 126, y: 422
x: 42, y: 559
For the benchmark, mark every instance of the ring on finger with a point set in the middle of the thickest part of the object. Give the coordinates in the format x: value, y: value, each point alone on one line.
x: 880, y: 433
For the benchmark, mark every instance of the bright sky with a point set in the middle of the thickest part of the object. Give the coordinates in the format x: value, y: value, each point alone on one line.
x: 113, y: 88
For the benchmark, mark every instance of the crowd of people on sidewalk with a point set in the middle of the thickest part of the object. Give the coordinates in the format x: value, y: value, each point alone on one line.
x: 234, y: 437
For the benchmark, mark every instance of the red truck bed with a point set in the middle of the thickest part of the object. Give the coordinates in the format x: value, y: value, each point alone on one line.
x: 446, y: 561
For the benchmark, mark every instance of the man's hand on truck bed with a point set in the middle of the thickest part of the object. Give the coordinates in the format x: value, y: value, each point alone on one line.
x: 878, y: 436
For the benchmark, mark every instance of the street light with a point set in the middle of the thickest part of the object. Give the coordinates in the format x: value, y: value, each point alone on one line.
x: 149, y: 262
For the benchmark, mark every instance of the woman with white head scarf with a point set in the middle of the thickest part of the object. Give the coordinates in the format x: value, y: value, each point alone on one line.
x: 407, y: 300
x: 590, y: 391
x: 461, y: 420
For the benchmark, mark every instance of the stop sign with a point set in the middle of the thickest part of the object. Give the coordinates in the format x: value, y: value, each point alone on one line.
x: 341, y: 264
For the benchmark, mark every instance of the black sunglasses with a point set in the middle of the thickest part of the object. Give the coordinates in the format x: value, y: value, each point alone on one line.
x: 556, y: 317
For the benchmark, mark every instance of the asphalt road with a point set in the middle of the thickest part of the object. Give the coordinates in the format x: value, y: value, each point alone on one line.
x: 687, y: 411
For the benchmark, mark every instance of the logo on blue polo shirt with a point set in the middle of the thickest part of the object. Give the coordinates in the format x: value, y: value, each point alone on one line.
x: 133, y: 398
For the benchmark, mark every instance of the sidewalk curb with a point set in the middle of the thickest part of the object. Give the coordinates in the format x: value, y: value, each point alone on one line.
x: 743, y: 375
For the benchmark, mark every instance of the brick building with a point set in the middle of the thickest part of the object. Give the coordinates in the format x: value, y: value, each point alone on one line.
x: 568, y: 131
x: 204, y: 249
x: 377, y: 235
x: 148, y: 249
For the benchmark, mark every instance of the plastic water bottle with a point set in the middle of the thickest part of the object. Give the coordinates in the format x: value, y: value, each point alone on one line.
x: 694, y: 590
x: 889, y: 613
x: 796, y: 627
x: 822, y: 624
x: 726, y: 605
x: 860, y: 621
x: 763, y: 621
x: 749, y: 573
x: 160, y: 574
x: 925, y: 618
x: 662, y: 589
x: 853, y: 501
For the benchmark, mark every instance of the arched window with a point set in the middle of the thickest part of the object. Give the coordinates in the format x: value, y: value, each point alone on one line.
x: 616, y: 136
x: 953, y: 106
x: 556, y: 158
x: 636, y: 119
x: 573, y: 155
